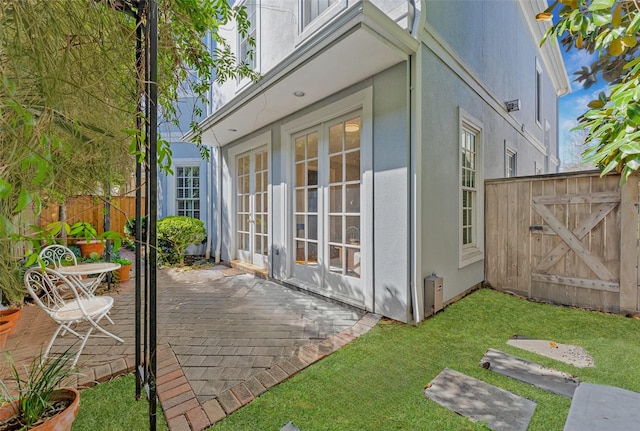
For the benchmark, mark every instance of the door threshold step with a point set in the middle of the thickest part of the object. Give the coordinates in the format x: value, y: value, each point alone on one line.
x: 249, y: 268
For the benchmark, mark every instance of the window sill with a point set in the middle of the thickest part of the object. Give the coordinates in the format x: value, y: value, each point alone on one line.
x: 469, y: 256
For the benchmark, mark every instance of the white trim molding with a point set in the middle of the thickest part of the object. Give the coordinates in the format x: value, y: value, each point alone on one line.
x: 468, y: 254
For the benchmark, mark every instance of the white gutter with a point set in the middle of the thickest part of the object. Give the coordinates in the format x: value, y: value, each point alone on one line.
x: 219, y: 203
x: 415, y: 132
x: 207, y: 253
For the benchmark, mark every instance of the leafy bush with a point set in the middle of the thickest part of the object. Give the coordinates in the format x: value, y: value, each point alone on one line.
x: 130, y: 226
x: 175, y: 234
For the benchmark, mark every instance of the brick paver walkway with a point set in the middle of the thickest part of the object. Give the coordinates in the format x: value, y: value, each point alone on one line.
x: 224, y: 339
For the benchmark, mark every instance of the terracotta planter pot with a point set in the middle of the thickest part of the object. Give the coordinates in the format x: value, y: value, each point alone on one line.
x: 60, y: 422
x: 12, y: 315
x: 122, y: 273
x: 88, y: 247
x: 5, y: 328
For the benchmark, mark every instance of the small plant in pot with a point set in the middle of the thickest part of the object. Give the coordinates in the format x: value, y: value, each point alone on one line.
x: 87, y: 236
x: 39, y: 405
x: 122, y: 273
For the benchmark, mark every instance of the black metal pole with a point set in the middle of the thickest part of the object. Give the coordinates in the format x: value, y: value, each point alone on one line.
x: 138, y: 233
x: 153, y: 203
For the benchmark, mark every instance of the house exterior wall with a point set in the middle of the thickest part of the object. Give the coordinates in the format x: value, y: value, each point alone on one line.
x: 453, y: 65
x: 388, y: 288
x: 474, y: 66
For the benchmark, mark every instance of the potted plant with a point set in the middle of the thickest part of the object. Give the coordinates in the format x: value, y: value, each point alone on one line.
x: 39, y: 405
x: 122, y: 273
x: 87, y: 235
x: 10, y: 315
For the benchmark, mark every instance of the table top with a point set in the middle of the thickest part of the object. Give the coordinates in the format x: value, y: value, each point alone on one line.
x: 88, y: 268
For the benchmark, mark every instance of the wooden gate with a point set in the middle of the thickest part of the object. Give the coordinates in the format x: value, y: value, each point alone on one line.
x: 570, y: 239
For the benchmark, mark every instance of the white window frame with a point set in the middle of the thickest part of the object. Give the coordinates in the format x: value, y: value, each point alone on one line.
x: 508, y: 156
x: 172, y: 202
x: 538, y: 103
x: 474, y: 252
x: 256, y: 37
x: 319, y: 21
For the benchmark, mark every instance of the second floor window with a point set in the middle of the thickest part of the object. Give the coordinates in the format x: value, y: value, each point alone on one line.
x: 188, y: 191
x: 246, y: 52
x: 511, y: 163
x: 311, y: 9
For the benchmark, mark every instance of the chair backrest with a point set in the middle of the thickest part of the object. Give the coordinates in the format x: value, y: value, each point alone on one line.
x: 48, y: 288
x: 57, y: 255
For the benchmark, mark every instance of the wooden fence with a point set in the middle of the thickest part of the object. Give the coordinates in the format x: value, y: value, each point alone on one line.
x: 91, y: 209
x: 570, y: 239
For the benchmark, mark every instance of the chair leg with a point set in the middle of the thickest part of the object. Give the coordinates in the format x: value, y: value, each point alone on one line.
x: 84, y: 339
x: 53, y: 338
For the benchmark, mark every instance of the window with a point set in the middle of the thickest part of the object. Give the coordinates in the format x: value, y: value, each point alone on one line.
x: 510, y: 164
x: 538, y: 168
x: 246, y: 52
x: 188, y: 191
x: 311, y: 9
x: 538, y: 94
x: 471, y: 217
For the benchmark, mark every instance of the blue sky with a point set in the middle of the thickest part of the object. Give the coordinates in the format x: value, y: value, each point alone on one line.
x: 573, y: 105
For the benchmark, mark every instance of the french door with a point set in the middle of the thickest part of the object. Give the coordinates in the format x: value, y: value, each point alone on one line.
x: 252, y: 207
x: 326, y: 208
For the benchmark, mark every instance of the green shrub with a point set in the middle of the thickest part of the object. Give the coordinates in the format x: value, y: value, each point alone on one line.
x: 175, y: 234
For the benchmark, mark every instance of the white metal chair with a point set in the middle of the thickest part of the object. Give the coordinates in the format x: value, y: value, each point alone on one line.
x: 57, y: 255
x: 50, y: 290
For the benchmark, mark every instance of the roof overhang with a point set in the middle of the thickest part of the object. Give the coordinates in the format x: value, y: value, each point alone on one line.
x: 361, y: 42
x: 550, y: 51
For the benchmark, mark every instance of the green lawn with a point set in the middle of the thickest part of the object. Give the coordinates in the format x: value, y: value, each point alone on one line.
x: 112, y: 406
x: 377, y: 381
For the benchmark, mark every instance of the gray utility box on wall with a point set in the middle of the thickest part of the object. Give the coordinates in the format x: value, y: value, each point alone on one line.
x: 433, y: 301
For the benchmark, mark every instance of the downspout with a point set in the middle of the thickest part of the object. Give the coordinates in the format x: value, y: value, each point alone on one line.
x: 415, y: 144
x: 219, y: 202
x: 207, y: 253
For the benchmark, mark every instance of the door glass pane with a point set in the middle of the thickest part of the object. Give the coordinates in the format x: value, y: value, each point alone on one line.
x: 300, y: 146
x: 352, y: 230
x: 312, y: 256
x: 300, y: 227
x: 313, y: 201
x: 352, y: 199
x: 335, y: 139
x: 353, y: 262
x: 335, y: 258
x: 300, y: 204
x: 335, y: 169
x: 312, y: 145
x: 300, y: 177
x: 352, y: 166
x: 312, y: 173
x: 335, y: 199
x: 300, y: 253
x: 352, y: 139
x: 313, y: 227
x: 335, y: 229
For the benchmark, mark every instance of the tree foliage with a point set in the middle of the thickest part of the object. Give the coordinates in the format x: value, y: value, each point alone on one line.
x: 69, y: 89
x: 609, y: 29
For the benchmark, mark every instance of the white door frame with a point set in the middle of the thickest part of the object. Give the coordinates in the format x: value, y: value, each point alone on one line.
x: 263, y: 139
x: 361, y: 100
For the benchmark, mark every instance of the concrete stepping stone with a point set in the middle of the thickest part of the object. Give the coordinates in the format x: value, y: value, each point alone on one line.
x: 289, y: 426
x: 572, y: 355
x: 534, y: 374
x: 599, y: 407
x: 480, y: 401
